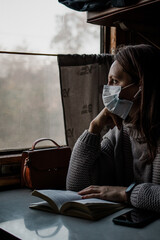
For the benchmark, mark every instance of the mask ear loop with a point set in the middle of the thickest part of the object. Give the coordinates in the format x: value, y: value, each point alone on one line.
x: 140, y: 89
x: 131, y: 84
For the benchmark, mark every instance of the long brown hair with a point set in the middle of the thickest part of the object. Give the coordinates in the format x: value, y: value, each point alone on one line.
x: 142, y: 62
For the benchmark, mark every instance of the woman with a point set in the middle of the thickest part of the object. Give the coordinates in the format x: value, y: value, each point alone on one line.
x: 125, y: 165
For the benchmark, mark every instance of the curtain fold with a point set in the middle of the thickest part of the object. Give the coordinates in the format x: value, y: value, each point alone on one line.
x: 82, y: 78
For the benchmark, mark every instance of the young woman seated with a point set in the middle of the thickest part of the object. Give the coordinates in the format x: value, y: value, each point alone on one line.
x: 129, y: 153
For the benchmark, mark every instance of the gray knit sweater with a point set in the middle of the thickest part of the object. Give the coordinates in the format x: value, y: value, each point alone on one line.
x: 117, y: 160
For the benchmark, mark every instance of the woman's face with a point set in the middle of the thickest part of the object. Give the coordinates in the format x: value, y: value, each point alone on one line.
x: 118, y: 77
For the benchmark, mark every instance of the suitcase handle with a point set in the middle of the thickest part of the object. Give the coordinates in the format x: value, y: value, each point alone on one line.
x: 43, y: 139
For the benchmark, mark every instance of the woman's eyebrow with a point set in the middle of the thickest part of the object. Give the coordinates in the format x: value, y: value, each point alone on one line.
x: 114, y: 76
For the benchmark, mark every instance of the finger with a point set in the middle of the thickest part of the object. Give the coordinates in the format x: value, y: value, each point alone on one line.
x: 113, y: 120
x: 90, y: 189
x: 83, y: 190
x: 92, y: 195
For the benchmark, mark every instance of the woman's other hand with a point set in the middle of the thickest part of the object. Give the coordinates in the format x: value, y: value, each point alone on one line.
x: 104, y: 118
x: 110, y: 193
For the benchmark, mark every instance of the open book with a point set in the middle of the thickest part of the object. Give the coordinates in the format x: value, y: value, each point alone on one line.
x: 70, y: 203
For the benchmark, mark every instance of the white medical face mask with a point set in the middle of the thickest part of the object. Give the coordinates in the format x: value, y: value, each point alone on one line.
x: 110, y: 97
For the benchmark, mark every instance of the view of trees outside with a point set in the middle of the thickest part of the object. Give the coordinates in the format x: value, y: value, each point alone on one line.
x: 74, y: 35
x: 30, y: 103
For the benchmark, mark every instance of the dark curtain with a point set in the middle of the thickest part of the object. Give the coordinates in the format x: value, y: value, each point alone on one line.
x: 82, y: 78
x: 96, y: 5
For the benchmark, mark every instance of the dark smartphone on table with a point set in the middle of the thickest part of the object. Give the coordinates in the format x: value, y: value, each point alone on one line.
x: 136, y: 218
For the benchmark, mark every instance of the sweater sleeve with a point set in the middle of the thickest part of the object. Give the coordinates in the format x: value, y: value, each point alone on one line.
x: 146, y: 196
x: 84, y: 163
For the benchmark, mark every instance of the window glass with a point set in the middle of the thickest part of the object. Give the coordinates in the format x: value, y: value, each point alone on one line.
x: 46, y: 26
x: 30, y: 103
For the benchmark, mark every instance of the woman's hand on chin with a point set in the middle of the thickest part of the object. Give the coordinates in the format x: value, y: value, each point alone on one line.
x: 104, y: 118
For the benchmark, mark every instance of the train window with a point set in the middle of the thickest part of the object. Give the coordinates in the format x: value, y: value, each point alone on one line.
x: 32, y: 34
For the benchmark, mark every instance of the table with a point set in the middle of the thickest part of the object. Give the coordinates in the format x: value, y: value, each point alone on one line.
x: 25, y: 223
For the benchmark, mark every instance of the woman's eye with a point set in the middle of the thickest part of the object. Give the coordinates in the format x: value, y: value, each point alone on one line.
x: 114, y: 81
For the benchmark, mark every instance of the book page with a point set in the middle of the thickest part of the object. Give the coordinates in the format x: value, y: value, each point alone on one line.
x: 44, y: 206
x: 59, y: 197
x: 96, y: 201
x: 90, y: 204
